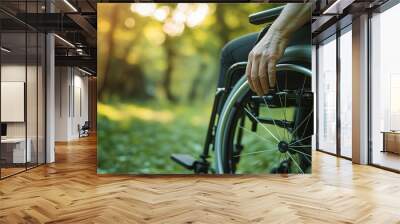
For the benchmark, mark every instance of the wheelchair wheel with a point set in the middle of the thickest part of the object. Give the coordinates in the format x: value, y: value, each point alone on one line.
x: 269, y: 134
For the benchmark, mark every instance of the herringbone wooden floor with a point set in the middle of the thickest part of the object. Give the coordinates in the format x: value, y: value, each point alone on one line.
x: 69, y: 191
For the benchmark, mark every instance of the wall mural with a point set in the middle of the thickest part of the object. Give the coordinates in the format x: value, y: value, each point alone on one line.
x: 178, y: 96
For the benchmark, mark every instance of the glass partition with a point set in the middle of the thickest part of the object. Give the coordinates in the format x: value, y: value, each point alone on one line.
x: 31, y: 100
x: 327, y: 95
x: 22, y: 92
x: 346, y: 93
x: 14, y: 151
x: 385, y: 89
x: 41, y: 109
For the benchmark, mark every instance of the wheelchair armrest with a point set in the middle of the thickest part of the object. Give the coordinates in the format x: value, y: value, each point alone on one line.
x: 267, y: 16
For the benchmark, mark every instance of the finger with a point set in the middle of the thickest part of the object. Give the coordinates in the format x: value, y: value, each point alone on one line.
x: 254, y: 77
x: 248, y: 74
x: 262, y: 74
x: 257, y: 86
x: 272, y: 73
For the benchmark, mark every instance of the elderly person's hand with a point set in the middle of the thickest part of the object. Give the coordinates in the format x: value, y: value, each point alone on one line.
x: 261, y: 66
x: 260, y: 69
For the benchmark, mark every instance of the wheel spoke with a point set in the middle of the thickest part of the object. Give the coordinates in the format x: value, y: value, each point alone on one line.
x: 302, y: 122
x: 300, y: 152
x: 256, y: 152
x: 253, y: 133
x: 305, y: 154
x: 287, y: 134
x: 300, y: 140
x: 297, y: 165
x: 305, y: 128
x: 304, y: 83
x: 300, y: 146
x: 284, y: 114
x: 273, y: 120
x: 248, y: 112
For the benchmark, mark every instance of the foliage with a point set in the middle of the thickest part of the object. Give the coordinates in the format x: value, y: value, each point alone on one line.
x: 139, y: 138
x: 129, y: 38
x: 157, y: 71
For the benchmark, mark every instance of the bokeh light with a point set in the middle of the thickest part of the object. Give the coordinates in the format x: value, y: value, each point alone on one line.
x: 161, y: 13
x: 175, y: 20
x: 143, y: 9
x: 179, y: 16
x: 172, y: 28
x: 198, y: 15
x: 129, y: 22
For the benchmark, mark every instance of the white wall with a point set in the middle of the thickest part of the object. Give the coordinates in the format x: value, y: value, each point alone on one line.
x: 14, y: 73
x: 62, y: 81
x: 71, y: 94
x: 33, y: 126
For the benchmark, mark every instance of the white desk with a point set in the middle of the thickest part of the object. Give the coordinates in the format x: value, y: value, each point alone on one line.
x: 18, y: 149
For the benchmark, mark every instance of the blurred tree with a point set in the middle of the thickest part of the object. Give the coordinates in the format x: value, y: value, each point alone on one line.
x: 170, y: 54
x: 166, y: 51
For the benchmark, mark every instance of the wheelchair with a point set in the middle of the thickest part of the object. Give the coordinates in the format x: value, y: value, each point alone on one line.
x: 260, y: 134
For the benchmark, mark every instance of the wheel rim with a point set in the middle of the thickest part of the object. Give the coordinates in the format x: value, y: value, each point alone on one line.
x: 239, y: 91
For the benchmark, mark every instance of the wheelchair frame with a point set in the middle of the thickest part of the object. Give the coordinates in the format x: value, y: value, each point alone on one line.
x: 234, y: 73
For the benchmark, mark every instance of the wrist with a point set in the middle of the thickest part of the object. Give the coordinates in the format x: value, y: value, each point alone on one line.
x: 278, y: 33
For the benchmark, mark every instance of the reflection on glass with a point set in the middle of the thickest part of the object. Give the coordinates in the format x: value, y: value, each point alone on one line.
x: 346, y: 94
x: 14, y: 151
x: 327, y: 96
x: 31, y: 100
x: 41, y: 99
x: 385, y: 84
x: 22, y: 91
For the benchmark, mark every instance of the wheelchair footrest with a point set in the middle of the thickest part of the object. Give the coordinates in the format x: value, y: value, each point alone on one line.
x: 184, y: 160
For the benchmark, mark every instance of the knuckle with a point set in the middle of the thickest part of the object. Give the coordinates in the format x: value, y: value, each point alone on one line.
x: 257, y: 54
x: 265, y: 54
x: 251, y: 54
x: 263, y: 75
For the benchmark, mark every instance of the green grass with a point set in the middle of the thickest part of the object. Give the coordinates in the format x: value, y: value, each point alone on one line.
x: 139, y: 138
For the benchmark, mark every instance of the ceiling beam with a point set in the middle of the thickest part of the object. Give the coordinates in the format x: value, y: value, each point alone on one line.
x: 78, y: 61
x: 84, y: 24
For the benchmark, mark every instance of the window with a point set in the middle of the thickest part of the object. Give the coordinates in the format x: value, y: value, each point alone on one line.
x: 385, y: 88
x: 346, y: 92
x: 327, y: 96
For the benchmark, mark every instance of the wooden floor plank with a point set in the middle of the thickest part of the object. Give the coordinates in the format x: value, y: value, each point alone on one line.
x: 70, y: 191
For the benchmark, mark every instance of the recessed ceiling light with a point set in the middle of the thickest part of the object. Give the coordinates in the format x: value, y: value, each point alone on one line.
x: 5, y: 50
x: 70, y: 5
x: 84, y: 71
x: 64, y: 40
x: 337, y: 7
